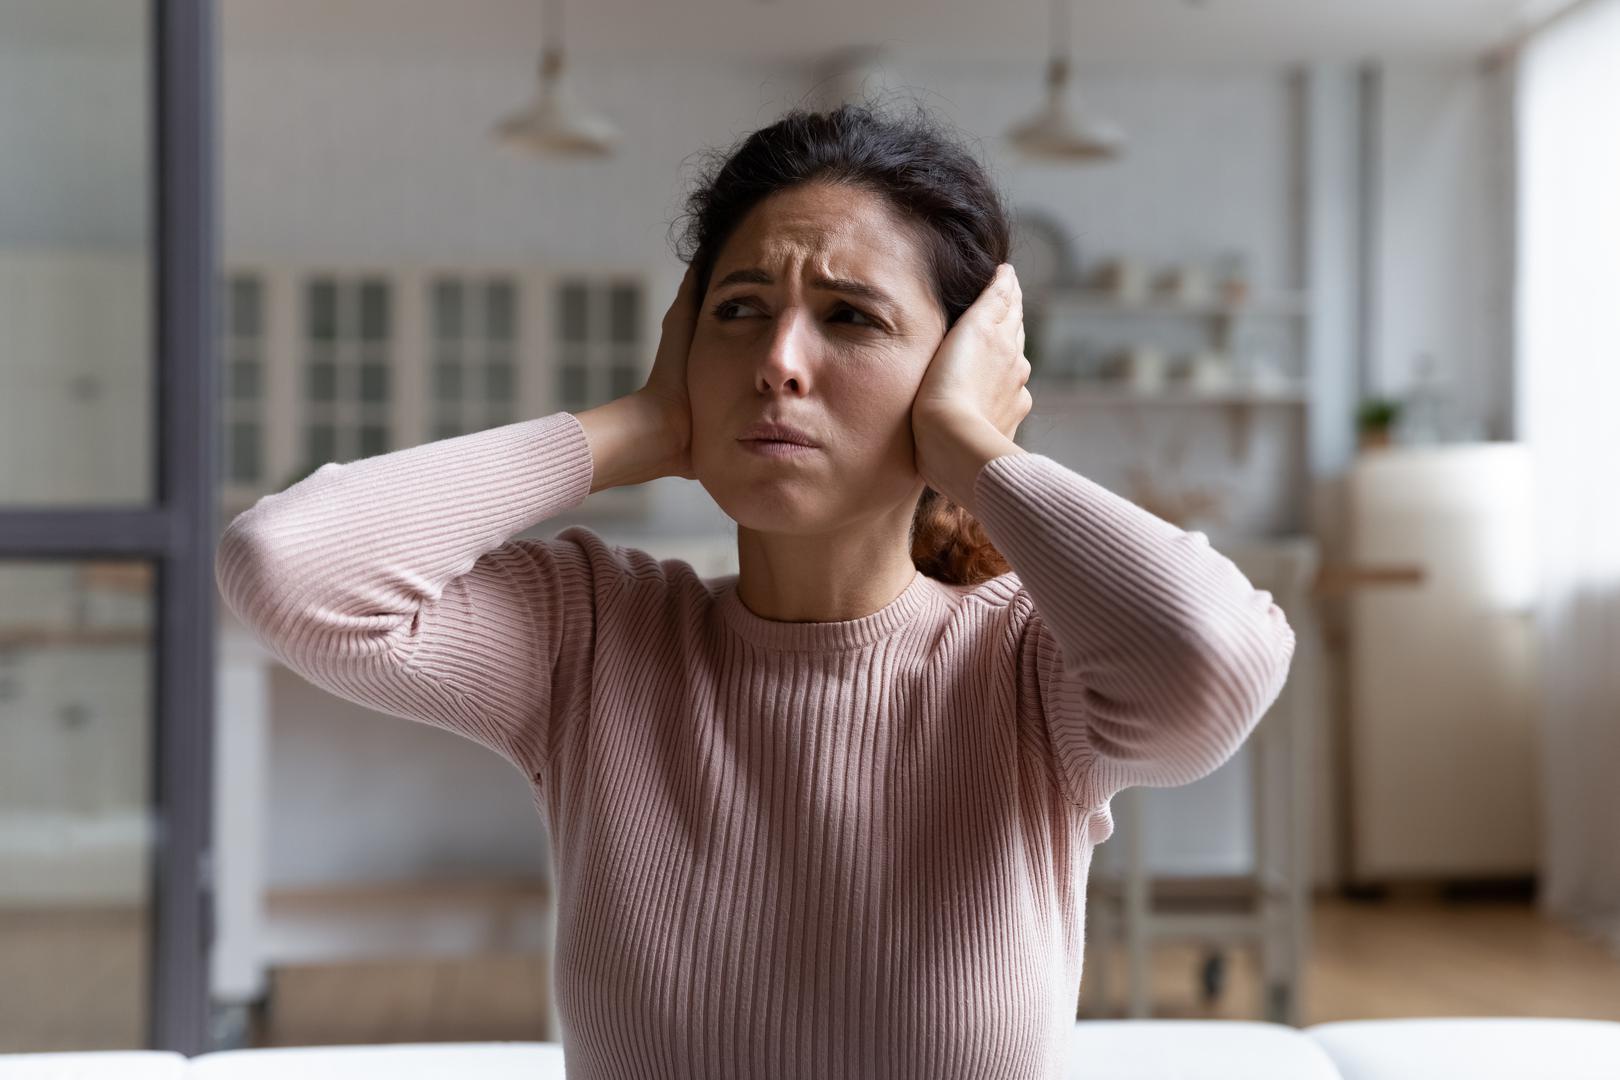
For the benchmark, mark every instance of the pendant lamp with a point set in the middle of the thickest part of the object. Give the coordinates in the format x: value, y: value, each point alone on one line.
x: 555, y: 124
x: 1058, y: 131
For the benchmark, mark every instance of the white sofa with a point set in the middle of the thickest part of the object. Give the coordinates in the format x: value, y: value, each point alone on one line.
x: 1482, y: 1048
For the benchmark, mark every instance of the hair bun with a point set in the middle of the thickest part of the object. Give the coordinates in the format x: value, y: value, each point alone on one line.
x: 950, y: 544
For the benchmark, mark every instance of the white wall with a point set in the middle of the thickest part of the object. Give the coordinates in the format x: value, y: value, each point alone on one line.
x: 359, y: 796
x: 368, y: 158
x: 1206, y: 169
x: 1442, y: 238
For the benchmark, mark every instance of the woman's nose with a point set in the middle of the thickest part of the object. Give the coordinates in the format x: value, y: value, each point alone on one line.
x: 787, y: 352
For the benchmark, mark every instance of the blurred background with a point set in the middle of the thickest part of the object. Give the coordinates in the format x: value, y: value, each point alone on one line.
x: 1330, y: 282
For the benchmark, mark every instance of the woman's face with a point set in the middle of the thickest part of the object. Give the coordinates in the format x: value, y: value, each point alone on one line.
x: 819, y: 314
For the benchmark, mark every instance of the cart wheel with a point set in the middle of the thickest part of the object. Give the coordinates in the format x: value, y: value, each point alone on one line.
x: 1212, y: 975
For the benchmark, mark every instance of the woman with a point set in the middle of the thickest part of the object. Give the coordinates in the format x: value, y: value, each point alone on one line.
x: 833, y: 815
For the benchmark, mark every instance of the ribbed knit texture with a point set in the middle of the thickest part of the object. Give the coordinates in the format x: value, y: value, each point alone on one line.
x: 781, y: 850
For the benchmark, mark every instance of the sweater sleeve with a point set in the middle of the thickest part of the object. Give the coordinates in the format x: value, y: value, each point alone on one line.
x: 1155, y: 656
x: 393, y: 583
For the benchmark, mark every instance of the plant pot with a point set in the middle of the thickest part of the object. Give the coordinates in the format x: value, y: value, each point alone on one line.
x: 1375, y: 438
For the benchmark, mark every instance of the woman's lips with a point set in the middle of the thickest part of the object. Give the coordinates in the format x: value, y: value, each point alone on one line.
x: 776, y: 448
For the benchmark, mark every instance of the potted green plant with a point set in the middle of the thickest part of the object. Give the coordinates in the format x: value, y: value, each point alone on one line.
x: 1375, y: 421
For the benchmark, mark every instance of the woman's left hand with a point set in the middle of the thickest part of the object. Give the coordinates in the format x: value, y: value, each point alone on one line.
x: 978, y: 373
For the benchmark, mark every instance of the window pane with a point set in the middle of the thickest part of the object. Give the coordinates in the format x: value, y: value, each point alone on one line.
x: 244, y: 452
x: 571, y: 387
x: 76, y: 289
x: 499, y: 382
x: 320, y: 444
x: 571, y: 302
x: 245, y: 380
x: 76, y: 740
x: 447, y: 381
x: 501, y: 324
x: 447, y: 310
x: 322, y: 385
x: 374, y: 383
x: 373, y: 439
x: 625, y: 379
x: 624, y: 312
x: 323, y: 318
x: 373, y: 310
x: 245, y: 302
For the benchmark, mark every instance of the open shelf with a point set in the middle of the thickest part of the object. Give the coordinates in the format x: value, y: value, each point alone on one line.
x: 1058, y: 391
x: 1058, y: 396
x: 1275, y: 305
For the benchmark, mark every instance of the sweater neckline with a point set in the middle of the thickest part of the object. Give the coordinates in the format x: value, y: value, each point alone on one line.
x: 822, y: 636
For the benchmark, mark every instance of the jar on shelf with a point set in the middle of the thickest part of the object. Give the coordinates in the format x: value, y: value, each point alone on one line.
x: 1121, y: 278
x: 1187, y: 284
x: 1262, y: 373
x: 1205, y: 369
x: 1140, y: 367
x: 1233, y: 277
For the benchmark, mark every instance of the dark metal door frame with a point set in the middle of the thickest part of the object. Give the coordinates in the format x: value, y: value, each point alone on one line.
x: 176, y: 530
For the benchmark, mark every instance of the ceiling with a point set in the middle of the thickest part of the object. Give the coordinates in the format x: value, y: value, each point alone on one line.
x: 1119, y: 32
x: 1114, y: 31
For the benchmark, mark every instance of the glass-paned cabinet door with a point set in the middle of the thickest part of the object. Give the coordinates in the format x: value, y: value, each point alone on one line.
x: 76, y: 816
x: 601, y: 346
x: 348, y: 361
x: 473, y: 352
x: 243, y: 380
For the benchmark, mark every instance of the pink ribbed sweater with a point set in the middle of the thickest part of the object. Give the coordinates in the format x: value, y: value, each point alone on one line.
x: 781, y: 850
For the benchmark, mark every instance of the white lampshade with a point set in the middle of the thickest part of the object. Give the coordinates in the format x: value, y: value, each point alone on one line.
x: 1058, y: 131
x: 555, y: 123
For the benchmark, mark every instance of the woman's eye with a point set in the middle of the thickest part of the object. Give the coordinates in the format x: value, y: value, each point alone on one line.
x: 723, y: 310
x: 727, y: 310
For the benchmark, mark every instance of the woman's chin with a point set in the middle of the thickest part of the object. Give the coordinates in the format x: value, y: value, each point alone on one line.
x: 764, y: 516
x: 770, y: 507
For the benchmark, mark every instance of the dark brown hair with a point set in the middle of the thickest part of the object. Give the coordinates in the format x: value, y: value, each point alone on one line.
x: 935, y: 183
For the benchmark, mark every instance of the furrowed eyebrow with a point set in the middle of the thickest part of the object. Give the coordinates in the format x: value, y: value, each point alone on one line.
x: 870, y: 293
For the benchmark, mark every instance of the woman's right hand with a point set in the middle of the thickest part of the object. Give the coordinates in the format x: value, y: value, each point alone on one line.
x: 666, y: 384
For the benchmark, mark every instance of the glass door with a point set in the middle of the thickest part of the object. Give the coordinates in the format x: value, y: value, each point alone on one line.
x: 107, y: 473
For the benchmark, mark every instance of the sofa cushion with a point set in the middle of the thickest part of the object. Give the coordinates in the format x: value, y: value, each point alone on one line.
x: 1480, y: 1048
x: 94, y: 1065
x: 1150, y: 1049
x: 400, y: 1061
